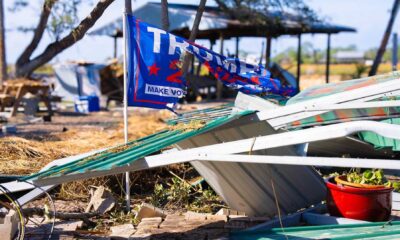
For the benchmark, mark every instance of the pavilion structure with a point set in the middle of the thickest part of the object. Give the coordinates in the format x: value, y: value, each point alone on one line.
x: 216, y: 25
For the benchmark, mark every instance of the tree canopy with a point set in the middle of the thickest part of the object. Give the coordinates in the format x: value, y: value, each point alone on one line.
x: 267, y: 11
x: 59, y: 18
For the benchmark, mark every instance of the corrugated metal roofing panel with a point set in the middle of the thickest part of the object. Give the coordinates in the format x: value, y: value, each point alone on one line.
x: 132, y: 151
x: 382, y: 142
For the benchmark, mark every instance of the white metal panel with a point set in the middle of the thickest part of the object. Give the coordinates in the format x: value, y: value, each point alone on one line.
x: 247, y: 186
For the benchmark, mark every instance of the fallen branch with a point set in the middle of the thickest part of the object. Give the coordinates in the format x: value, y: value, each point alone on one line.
x: 29, y: 212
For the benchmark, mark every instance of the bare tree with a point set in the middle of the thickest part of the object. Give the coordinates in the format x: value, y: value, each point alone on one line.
x: 3, y: 62
x: 26, y: 64
x: 385, y: 39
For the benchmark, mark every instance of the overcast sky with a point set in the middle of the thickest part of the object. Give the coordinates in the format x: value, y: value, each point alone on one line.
x: 369, y: 17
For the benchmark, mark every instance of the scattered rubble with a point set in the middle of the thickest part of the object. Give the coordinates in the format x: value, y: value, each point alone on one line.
x: 102, y: 201
x: 149, y: 211
x: 122, y: 231
x: 9, y: 225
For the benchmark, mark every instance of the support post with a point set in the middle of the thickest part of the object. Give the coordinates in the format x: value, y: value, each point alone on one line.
x: 127, y: 10
x: 298, y: 61
x: 237, y: 47
x: 221, y: 51
x: 3, y: 61
x: 394, y: 52
x: 268, y: 52
x: 328, y: 59
x: 115, y: 54
x: 212, y: 43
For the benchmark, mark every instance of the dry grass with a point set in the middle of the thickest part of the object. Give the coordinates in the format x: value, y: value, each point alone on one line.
x: 190, y: 126
x: 21, y: 156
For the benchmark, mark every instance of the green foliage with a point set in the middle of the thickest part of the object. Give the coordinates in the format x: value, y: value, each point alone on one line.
x: 63, y: 16
x: 267, y: 11
x: 361, y: 69
x: 371, y: 177
x: 309, y: 54
x: 120, y: 217
x: 180, y: 194
x: 114, y: 218
x: 206, y: 201
x: 159, y: 197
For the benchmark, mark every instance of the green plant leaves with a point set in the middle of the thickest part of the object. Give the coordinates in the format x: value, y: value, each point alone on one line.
x: 371, y: 177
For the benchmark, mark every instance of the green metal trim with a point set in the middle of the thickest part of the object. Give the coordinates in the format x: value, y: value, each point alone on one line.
x: 379, y: 141
x: 374, y: 230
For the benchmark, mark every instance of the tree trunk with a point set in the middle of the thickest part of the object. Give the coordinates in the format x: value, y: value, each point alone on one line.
x: 193, y: 34
x: 3, y: 62
x: 385, y: 39
x: 164, y: 15
x: 38, y: 33
x: 192, y: 38
x: 26, y: 67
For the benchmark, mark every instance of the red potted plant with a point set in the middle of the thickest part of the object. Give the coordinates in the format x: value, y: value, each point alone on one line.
x: 360, y: 195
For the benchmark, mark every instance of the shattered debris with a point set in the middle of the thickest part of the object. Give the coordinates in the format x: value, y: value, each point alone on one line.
x: 102, y: 201
x: 149, y: 211
x: 124, y: 231
x: 9, y: 225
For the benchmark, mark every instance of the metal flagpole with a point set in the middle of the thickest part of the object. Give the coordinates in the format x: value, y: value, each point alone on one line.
x: 127, y: 10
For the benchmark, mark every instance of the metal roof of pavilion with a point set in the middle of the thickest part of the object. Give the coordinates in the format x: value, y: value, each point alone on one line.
x: 214, y: 22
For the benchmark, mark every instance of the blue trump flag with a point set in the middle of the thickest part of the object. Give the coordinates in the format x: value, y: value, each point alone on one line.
x: 154, y: 60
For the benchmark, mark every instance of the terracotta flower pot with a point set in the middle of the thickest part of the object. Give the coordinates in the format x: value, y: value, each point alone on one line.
x: 368, y: 204
x: 342, y: 180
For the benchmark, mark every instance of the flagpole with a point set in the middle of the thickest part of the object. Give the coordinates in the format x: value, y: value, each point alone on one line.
x: 127, y: 10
